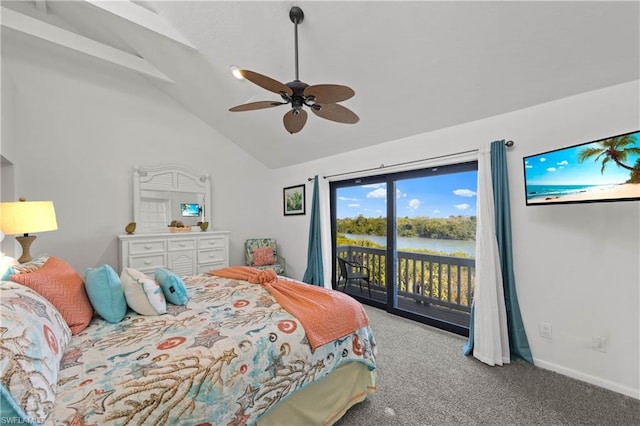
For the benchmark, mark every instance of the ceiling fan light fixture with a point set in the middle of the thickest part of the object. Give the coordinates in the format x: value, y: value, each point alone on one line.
x: 236, y: 72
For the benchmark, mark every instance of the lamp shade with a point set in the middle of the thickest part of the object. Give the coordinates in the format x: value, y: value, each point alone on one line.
x: 24, y: 217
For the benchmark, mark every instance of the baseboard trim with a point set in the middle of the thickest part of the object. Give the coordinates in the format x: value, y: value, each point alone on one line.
x: 612, y: 386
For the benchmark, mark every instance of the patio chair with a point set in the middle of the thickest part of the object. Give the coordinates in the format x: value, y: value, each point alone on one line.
x: 351, y: 271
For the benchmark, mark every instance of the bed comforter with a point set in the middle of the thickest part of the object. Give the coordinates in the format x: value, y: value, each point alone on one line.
x: 227, y: 358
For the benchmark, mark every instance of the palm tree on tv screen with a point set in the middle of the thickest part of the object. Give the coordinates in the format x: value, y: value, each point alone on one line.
x: 617, y: 149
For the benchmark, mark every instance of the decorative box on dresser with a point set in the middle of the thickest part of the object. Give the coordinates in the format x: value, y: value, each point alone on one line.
x: 185, y: 253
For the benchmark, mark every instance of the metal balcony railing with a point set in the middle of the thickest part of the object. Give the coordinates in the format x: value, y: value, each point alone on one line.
x: 436, y: 280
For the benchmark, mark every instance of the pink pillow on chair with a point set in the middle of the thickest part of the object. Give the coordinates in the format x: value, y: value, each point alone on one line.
x: 263, y: 256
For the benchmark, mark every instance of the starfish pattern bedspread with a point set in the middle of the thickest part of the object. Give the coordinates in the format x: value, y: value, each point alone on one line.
x: 226, y: 358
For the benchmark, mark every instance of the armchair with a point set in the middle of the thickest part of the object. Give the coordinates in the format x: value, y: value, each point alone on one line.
x: 262, y: 253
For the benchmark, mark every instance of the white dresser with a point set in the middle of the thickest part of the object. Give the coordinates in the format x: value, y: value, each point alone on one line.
x: 185, y: 253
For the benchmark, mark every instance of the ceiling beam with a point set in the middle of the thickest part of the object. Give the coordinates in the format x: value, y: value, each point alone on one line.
x: 36, y: 28
x: 142, y: 17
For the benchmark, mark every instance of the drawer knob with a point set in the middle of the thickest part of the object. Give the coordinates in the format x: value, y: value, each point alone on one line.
x: 182, y: 244
x: 147, y: 246
x: 147, y: 262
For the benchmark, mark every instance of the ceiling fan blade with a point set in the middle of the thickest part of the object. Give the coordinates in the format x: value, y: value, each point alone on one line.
x: 335, y: 112
x: 294, y: 121
x: 329, y: 93
x: 256, y: 105
x: 266, y: 82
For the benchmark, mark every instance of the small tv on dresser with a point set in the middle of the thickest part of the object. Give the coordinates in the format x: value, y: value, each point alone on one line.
x: 603, y: 170
x: 190, y: 209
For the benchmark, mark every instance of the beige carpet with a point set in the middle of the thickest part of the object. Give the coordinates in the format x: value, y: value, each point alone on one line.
x: 424, y: 379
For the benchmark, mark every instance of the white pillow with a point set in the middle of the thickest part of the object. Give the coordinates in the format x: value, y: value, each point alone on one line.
x: 144, y: 295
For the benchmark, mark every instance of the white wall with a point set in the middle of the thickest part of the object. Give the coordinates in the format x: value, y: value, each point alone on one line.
x: 79, y: 132
x: 577, y: 267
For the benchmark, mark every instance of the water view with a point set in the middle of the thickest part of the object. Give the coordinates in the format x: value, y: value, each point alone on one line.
x: 447, y: 246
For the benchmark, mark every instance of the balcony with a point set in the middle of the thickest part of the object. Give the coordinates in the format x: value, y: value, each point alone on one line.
x: 439, y: 287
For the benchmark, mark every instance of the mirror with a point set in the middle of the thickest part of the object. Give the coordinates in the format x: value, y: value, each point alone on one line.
x: 165, y: 193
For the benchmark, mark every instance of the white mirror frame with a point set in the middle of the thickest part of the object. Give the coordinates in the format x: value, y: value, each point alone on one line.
x: 169, y: 179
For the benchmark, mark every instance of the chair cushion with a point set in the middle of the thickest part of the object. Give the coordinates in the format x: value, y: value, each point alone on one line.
x: 61, y: 285
x: 263, y: 256
x: 105, y: 292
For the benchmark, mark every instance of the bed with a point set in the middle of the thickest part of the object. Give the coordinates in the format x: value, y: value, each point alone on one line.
x: 231, y: 356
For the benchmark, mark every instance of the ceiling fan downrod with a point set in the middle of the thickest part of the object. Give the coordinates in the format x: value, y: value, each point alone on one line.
x: 297, y: 16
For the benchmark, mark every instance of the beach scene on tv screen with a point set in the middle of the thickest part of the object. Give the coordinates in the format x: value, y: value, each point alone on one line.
x: 603, y: 170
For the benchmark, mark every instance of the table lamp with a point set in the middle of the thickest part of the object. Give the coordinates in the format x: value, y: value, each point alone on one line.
x: 25, y: 217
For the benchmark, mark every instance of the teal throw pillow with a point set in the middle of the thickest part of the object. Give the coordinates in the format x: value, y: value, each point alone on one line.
x: 105, y: 292
x: 172, y: 286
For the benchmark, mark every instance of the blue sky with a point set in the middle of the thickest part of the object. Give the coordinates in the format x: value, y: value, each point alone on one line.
x: 562, y: 168
x: 434, y: 196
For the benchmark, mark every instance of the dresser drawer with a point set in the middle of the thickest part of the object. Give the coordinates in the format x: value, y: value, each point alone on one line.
x: 206, y: 267
x: 182, y: 244
x: 212, y: 242
x: 148, y: 246
x: 209, y: 256
x: 149, y: 261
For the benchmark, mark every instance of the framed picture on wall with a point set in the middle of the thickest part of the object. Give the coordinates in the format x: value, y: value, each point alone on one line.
x: 293, y: 199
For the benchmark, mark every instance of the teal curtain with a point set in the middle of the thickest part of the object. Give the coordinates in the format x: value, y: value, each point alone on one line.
x: 518, y: 343
x: 314, y: 273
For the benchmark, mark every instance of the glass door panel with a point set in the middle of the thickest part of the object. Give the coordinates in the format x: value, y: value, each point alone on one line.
x: 361, y: 239
x: 435, y: 226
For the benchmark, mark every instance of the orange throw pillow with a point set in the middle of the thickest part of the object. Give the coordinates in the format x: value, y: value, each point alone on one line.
x: 263, y: 256
x: 61, y: 285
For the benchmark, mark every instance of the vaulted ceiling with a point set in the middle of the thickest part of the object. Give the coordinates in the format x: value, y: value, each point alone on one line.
x: 415, y: 66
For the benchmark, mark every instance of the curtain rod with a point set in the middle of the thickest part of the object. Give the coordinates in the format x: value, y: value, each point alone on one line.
x: 508, y: 144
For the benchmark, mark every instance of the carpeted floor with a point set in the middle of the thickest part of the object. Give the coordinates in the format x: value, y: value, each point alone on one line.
x: 423, y: 379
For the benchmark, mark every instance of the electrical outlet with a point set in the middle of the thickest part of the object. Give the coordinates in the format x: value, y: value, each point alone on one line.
x: 599, y: 343
x: 546, y: 330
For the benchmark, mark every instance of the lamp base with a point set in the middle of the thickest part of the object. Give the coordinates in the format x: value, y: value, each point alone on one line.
x: 25, y: 242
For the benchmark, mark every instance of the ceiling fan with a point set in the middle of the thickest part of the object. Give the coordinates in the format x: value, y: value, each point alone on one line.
x: 322, y: 99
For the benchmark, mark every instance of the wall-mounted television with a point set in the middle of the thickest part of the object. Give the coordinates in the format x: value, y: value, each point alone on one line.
x: 602, y: 170
x: 190, y: 209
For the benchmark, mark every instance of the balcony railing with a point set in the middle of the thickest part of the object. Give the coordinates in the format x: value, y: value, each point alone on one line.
x: 436, y: 280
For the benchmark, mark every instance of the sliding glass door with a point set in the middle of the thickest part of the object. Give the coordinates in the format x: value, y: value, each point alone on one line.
x: 405, y: 242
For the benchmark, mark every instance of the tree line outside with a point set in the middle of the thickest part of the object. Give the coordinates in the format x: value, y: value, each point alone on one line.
x: 449, y: 228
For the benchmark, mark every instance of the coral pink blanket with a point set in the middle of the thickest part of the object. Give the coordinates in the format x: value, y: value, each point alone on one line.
x: 325, y: 315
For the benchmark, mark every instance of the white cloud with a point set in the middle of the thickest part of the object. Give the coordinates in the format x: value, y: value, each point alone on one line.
x: 542, y: 160
x: 400, y: 194
x: 353, y: 205
x: 464, y: 192
x: 562, y: 163
x: 462, y: 206
x: 414, y: 203
x: 347, y: 199
x: 436, y: 211
x: 551, y: 169
x: 528, y: 166
x: 377, y: 193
